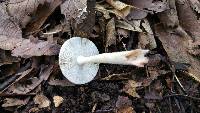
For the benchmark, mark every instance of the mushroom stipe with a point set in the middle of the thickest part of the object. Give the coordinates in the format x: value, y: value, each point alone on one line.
x: 79, y: 59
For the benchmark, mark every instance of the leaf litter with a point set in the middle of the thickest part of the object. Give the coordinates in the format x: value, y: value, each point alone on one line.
x: 32, y: 32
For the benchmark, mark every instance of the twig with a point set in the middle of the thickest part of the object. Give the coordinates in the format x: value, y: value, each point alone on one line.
x: 176, y: 78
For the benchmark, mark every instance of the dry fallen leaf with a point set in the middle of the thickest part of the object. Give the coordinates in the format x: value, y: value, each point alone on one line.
x: 10, y: 102
x: 42, y: 101
x: 123, y: 8
x: 134, y: 26
x: 20, y: 88
x: 147, y: 40
x: 42, y: 14
x: 74, y: 9
x: 124, y: 105
x: 57, y: 100
x: 138, y: 12
x: 110, y: 33
x: 102, y: 9
x: 158, y: 6
x: 189, y: 24
x: 6, y: 26
x: 176, y: 48
x: 6, y: 58
x: 28, y: 49
x: 122, y: 33
x: 169, y: 17
x: 130, y: 88
x: 21, y: 10
x: 195, y: 4
x: 126, y: 110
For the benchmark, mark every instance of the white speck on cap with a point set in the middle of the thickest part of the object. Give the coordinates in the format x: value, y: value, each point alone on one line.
x: 70, y: 50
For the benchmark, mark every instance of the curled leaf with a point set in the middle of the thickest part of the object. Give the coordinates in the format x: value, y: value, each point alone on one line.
x: 42, y: 101
x: 127, y: 26
x: 110, y: 33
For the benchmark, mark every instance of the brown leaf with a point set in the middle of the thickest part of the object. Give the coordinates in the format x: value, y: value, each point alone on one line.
x: 122, y: 33
x: 193, y: 48
x: 134, y: 26
x: 74, y: 9
x: 124, y: 105
x: 22, y: 75
x: 10, y: 102
x: 158, y: 6
x: 28, y: 49
x: 169, y: 17
x: 110, y: 33
x: 176, y: 48
x: 126, y: 110
x: 22, y: 9
x: 8, y: 29
x: 6, y: 58
x: 42, y: 14
x: 120, y: 6
x: 57, y: 100
x: 83, y: 26
x: 189, y: 24
x: 147, y: 40
x: 102, y: 9
x: 138, y: 13
x: 25, y: 88
x: 62, y: 83
x: 130, y: 88
x: 42, y: 101
x: 195, y: 4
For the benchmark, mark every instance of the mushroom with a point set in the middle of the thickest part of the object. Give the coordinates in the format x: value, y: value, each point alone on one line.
x: 79, y: 59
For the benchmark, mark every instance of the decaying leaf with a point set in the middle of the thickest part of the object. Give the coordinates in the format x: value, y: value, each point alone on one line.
x: 147, y: 40
x: 132, y: 27
x: 6, y: 58
x: 102, y: 9
x: 23, y: 9
x: 146, y: 26
x: 110, y: 33
x: 28, y: 49
x: 189, y: 24
x: 195, y: 4
x: 57, y: 100
x: 8, y: 29
x: 42, y: 101
x: 158, y: 6
x: 169, y: 17
x: 74, y: 9
x: 193, y: 47
x: 11, y: 102
x: 122, y: 33
x: 120, y: 6
x: 42, y: 14
x: 138, y: 12
x: 126, y: 110
x: 25, y: 88
x: 83, y: 26
x: 176, y: 48
x: 130, y: 88
x: 124, y: 105
x: 62, y: 83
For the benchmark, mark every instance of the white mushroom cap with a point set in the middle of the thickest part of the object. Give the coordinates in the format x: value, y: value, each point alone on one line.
x: 70, y: 50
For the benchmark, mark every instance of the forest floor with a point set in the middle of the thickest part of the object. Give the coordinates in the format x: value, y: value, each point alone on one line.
x: 32, y: 32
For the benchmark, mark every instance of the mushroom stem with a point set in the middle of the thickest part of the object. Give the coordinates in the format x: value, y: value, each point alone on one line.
x: 133, y: 57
